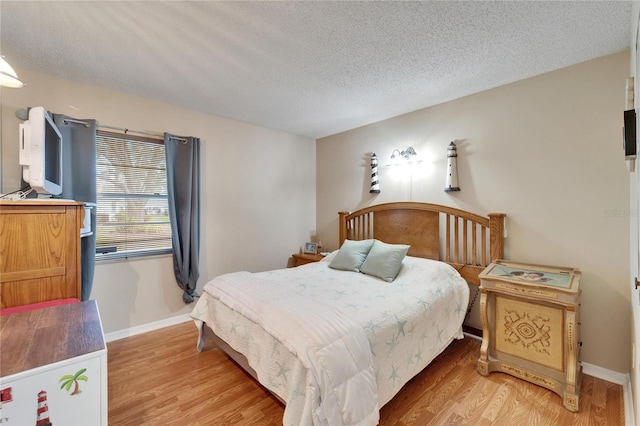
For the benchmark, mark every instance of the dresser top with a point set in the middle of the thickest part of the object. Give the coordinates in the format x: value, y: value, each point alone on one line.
x: 40, y: 337
x: 40, y: 201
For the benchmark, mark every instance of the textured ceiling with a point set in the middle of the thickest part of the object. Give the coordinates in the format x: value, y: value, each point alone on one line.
x: 308, y: 68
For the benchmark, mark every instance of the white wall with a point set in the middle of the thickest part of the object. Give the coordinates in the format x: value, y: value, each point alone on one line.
x: 258, y: 193
x: 546, y: 151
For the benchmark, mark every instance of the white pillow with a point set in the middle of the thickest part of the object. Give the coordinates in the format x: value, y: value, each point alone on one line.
x: 384, y: 260
x: 351, y: 255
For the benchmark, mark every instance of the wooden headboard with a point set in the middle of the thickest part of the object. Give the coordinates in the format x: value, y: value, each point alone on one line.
x: 465, y: 240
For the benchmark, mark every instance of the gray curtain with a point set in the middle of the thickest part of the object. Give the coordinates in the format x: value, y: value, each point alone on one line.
x: 79, y: 182
x: 183, y: 190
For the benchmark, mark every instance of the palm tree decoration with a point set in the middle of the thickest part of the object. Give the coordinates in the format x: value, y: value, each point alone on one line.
x: 69, y: 380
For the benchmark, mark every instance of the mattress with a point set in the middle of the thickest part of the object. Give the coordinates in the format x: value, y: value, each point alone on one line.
x: 407, y: 323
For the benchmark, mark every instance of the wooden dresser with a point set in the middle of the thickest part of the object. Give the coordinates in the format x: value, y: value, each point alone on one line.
x: 39, y: 251
x: 530, y: 326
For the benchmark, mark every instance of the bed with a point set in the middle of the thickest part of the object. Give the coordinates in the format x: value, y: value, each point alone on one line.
x: 335, y: 345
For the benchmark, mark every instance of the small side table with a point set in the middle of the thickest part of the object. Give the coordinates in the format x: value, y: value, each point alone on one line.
x: 530, y: 318
x: 304, y: 258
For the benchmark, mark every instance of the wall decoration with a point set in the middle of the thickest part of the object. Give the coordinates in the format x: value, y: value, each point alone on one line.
x: 629, y: 141
x: 375, y: 184
x: 452, y: 169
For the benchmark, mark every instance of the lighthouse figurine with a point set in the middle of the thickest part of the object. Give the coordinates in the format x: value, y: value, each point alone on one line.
x: 375, y: 185
x: 452, y: 169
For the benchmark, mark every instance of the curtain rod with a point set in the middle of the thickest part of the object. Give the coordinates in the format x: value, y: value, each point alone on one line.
x: 71, y: 120
x: 155, y: 135
x: 125, y: 131
x: 85, y: 124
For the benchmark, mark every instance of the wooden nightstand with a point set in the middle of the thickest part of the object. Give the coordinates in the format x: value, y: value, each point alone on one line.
x: 304, y: 258
x: 530, y: 317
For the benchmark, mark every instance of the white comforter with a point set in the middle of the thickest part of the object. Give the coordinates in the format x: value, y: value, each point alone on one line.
x: 407, y: 323
x: 334, y: 348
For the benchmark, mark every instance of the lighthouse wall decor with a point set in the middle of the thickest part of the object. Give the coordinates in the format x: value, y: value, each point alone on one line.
x: 452, y: 169
x: 375, y: 184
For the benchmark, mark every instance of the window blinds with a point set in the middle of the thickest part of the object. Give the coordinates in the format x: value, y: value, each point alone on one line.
x: 132, y: 208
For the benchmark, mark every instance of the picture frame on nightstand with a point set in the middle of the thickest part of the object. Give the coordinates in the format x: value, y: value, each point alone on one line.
x: 311, y: 248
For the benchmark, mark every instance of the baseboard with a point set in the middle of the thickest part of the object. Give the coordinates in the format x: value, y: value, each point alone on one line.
x: 128, y: 332
x: 630, y: 419
x: 621, y: 379
x: 605, y: 374
x: 471, y: 335
x: 472, y: 331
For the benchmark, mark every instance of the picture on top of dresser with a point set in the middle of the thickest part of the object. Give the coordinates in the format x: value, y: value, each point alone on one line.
x: 528, y: 275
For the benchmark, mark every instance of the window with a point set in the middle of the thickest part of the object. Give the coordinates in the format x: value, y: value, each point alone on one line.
x: 132, y: 209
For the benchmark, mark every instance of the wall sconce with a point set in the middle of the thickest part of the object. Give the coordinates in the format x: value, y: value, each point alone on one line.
x: 452, y: 169
x: 406, y: 154
x: 8, y: 77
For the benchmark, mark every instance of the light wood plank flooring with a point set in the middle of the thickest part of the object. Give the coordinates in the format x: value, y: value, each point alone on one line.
x: 159, y: 378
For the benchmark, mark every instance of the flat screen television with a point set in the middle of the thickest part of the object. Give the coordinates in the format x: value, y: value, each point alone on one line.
x: 41, y: 152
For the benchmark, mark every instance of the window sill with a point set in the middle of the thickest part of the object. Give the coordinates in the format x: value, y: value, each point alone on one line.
x: 122, y: 257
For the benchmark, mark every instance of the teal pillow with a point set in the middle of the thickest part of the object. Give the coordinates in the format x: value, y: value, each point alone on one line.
x: 351, y: 255
x: 384, y: 260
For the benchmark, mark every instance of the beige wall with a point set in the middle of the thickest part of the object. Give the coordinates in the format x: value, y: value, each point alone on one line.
x: 258, y: 193
x: 546, y: 151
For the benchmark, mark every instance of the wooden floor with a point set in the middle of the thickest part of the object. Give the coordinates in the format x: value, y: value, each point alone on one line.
x: 159, y: 378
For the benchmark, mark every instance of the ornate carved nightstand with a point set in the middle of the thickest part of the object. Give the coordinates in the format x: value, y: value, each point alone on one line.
x: 530, y: 330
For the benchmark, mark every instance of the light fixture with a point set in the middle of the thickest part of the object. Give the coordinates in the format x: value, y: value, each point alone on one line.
x: 452, y: 169
x: 8, y: 77
x: 406, y: 154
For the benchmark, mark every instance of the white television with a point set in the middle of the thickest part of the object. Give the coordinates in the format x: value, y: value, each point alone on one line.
x: 41, y: 152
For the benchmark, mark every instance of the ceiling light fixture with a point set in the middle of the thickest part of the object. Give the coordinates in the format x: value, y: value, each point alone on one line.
x: 8, y: 77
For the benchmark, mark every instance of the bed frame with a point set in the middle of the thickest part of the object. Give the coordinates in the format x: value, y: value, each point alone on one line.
x: 470, y: 242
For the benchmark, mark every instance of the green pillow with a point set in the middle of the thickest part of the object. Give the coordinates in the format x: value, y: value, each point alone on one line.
x: 351, y: 255
x: 384, y: 260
